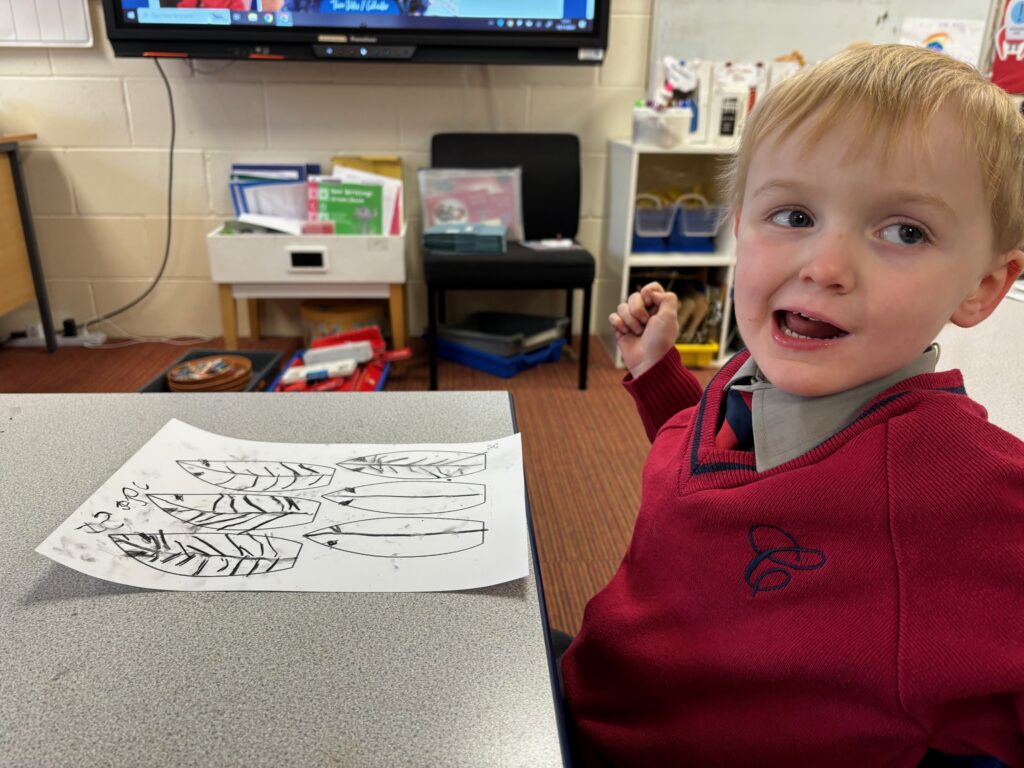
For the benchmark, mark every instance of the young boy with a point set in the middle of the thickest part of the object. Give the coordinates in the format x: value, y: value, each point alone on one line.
x: 827, y: 567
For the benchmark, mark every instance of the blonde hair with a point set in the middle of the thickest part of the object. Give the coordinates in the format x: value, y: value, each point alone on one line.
x: 888, y: 88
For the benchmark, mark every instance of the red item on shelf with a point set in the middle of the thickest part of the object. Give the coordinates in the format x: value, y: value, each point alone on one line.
x: 367, y: 375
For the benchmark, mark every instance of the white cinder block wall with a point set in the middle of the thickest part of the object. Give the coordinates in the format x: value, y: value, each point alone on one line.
x: 97, y: 174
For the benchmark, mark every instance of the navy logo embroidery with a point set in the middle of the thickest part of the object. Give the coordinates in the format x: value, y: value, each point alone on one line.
x: 776, y: 547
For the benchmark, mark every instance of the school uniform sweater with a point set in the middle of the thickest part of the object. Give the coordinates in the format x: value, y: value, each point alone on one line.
x: 851, y: 607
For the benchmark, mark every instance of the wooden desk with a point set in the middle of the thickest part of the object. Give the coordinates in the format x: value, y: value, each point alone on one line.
x: 254, y: 267
x: 97, y: 673
x: 21, y: 272
x: 229, y: 318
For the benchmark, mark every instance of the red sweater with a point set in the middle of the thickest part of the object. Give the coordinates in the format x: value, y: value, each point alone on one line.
x: 851, y: 607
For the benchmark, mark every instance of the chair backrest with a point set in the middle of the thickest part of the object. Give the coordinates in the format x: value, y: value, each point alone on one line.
x: 550, y: 165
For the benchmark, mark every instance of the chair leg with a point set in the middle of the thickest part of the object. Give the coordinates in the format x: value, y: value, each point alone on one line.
x: 568, y: 313
x: 585, y: 337
x: 442, y: 308
x: 432, y: 335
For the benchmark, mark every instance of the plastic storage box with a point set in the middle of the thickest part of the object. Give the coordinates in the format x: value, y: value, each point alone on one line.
x: 652, y: 224
x: 698, y: 355
x: 505, y: 333
x: 697, y: 223
x: 264, y: 368
x: 497, y: 365
x: 662, y: 128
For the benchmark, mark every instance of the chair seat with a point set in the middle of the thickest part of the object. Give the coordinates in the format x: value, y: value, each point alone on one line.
x: 516, y: 268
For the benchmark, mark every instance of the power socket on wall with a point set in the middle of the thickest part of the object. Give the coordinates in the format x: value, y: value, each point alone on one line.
x: 34, y: 337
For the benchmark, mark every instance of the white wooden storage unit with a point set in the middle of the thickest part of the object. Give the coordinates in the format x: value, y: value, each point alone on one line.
x: 626, y: 164
x: 257, y: 267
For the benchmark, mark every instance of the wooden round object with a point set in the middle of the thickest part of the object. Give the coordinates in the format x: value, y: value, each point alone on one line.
x: 215, y: 373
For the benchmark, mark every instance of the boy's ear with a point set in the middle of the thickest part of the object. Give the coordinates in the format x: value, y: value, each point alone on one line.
x: 736, y: 223
x: 982, y: 301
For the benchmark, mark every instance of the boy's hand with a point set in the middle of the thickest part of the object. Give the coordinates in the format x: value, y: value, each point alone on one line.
x: 645, y: 327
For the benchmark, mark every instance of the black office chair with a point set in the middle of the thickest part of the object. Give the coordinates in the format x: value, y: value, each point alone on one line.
x: 550, y: 164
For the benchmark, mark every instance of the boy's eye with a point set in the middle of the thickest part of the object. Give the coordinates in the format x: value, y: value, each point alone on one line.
x: 791, y: 218
x: 903, y: 234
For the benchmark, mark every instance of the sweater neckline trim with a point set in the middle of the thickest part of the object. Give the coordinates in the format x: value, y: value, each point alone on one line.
x: 712, y: 459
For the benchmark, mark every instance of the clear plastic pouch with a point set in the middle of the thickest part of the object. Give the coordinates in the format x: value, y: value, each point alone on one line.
x: 472, y: 196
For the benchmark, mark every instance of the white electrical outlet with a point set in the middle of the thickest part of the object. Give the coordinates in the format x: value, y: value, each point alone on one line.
x: 91, y: 338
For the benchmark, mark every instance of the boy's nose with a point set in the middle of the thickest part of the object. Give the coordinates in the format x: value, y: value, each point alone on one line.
x: 830, y: 263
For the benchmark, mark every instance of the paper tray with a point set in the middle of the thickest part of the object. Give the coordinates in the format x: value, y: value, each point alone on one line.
x: 505, y: 333
x: 498, y: 365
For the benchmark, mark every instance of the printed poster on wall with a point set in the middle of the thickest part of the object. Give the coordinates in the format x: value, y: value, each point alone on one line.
x: 960, y: 38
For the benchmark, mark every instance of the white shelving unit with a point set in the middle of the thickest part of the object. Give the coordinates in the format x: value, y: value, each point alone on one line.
x: 626, y: 164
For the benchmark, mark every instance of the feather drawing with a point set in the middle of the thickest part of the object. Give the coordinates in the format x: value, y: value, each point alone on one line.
x: 259, y: 475
x: 209, y: 554
x: 415, y: 465
x: 402, y: 536
x: 412, y: 497
x: 237, y: 511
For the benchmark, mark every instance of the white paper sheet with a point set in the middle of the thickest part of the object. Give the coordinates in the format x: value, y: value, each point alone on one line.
x: 285, y: 200
x: 193, y: 510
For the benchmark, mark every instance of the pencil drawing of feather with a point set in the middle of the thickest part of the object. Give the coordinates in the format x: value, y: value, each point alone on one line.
x: 236, y: 511
x: 402, y: 536
x: 411, y: 497
x: 259, y: 475
x: 413, y: 465
x: 208, y: 554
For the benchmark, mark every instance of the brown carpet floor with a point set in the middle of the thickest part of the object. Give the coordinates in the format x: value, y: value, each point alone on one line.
x: 583, y: 451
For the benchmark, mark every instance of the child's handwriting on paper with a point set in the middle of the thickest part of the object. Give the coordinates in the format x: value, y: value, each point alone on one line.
x: 131, y: 496
x: 100, y: 527
x: 103, y: 520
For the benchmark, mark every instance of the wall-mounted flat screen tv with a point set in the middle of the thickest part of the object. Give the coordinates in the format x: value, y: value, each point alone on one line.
x: 438, y: 31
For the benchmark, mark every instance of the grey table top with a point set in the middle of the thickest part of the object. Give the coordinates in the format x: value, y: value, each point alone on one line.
x: 991, y: 356
x: 96, y: 673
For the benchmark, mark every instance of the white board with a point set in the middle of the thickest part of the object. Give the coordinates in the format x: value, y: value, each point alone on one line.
x: 45, y: 23
x: 193, y: 510
x: 760, y: 30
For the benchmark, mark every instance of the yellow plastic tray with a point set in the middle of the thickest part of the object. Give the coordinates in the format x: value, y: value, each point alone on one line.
x: 698, y: 355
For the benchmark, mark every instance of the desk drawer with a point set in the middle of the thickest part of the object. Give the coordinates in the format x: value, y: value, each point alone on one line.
x: 306, y: 258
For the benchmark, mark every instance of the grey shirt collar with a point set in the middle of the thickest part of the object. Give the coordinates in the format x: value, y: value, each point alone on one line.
x: 786, y: 426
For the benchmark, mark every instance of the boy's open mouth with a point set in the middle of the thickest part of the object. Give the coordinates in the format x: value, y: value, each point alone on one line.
x: 800, y: 326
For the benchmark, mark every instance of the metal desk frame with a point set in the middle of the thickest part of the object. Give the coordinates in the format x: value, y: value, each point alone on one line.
x: 9, y: 147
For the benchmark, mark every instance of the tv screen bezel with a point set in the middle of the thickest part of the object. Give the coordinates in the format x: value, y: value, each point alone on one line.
x: 430, y: 46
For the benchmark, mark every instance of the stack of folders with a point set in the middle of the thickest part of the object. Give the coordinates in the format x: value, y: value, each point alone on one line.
x: 297, y: 199
x: 466, y: 238
x: 275, y: 189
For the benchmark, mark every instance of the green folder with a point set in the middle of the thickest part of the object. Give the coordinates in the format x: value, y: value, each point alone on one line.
x: 355, y: 209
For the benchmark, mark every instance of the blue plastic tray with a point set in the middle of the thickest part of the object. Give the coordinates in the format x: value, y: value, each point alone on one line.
x: 498, y: 365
